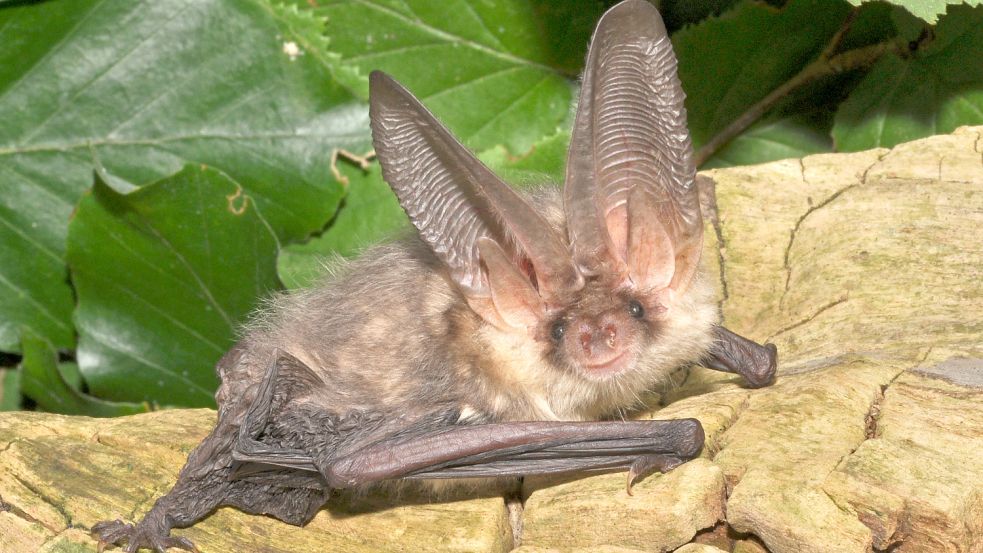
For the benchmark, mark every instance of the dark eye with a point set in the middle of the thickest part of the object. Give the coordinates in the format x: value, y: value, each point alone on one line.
x: 558, y: 329
x: 635, y: 309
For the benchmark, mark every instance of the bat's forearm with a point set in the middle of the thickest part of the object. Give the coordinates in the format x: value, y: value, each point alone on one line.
x: 517, y: 449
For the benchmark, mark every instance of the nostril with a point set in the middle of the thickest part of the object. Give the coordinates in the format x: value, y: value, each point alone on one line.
x: 611, y: 335
x: 585, y: 341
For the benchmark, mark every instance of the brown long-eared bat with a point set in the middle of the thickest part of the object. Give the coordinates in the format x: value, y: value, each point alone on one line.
x: 500, y: 341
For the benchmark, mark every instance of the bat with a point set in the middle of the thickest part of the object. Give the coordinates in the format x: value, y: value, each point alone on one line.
x: 505, y: 339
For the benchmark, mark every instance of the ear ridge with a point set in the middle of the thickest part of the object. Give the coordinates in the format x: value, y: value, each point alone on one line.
x: 515, y: 300
x: 630, y: 132
x: 455, y: 201
x: 651, y: 256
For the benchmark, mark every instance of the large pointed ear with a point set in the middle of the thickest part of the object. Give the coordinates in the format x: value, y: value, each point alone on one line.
x: 630, y: 196
x: 508, y: 261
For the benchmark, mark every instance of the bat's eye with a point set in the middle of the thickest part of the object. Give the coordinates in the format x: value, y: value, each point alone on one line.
x: 558, y: 329
x: 635, y: 309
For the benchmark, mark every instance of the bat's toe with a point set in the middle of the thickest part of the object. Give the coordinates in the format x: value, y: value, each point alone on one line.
x: 145, y: 534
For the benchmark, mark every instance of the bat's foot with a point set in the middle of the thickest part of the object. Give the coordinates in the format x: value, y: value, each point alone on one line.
x: 736, y: 354
x: 647, y: 464
x: 145, y: 534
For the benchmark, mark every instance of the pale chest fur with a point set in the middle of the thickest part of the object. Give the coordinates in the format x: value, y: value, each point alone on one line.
x: 521, y: 385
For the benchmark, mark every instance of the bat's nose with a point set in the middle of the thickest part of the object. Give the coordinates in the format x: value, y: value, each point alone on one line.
x: 598, y: 340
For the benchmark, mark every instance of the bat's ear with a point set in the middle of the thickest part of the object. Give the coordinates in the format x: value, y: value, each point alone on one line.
x: 511, y: 265
x: 630, y: 196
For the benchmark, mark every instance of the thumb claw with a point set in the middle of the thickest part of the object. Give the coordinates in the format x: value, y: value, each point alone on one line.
x: 633, y: 474
x: 647, y: 464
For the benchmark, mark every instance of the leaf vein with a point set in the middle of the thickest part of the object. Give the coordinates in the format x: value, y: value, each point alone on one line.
x: 194, y: 274
x: 54, y: 49
x: 147, y: 363
x: 474, y: 81
x: 95, y: 78
x: 510, y: 107
x: 450, y: 37
x: 483, y: 24
x: 31, y: 180
x: 27, y: 238
x: 26, y: 295
x: 109, y: 282
x: 55, y: 147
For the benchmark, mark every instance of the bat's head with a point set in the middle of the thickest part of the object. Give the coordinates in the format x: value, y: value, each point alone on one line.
x: 613, y: 278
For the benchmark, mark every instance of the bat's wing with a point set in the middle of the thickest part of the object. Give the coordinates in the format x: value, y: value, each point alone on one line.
x: 519, y: 449
x: 439, y: 446
x: 285, y: 376
x: 630, y: 197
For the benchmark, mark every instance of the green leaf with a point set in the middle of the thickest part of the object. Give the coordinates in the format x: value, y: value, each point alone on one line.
x: 42, y: 380
x: 493, y: 72
x: 929, y: 10
x: 150, y: 86
x: 679, y: 13
x: 544, y: 163
x: 10, y: 394
x: 369, y: 213
x: 909, y: 27
x: 164, y: 275
x: 877, y: 22
x: 729, y: 63
x: 774, y: 138
x: 938, y: 88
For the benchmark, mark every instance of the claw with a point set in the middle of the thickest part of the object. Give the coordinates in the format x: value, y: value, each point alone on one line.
x: 182, y: 543
x: 148, y: 533
x: 645, y: 465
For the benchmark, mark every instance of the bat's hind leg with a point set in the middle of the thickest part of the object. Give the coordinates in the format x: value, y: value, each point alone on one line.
x: 211, y: 479
x: 208, y: 481
x: 202, y: 486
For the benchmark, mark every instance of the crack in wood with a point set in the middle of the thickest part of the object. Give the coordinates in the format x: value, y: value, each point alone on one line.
x: 872, y: 432
x: 873, y: 414
x: 786, y: 264
x: 714, y: 447
x: 806, y: 320
x: 21, y: 514
x: 43, y: 497
x: 880, y: 158
x: 52, y: 539
x: 708, y: 203
x: 9, y: 445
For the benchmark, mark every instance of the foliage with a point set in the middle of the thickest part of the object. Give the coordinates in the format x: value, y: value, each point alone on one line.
x: 165, y: 165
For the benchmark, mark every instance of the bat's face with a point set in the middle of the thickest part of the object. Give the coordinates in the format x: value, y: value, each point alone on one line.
x: 603, y: 333
x: 612, y: 294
